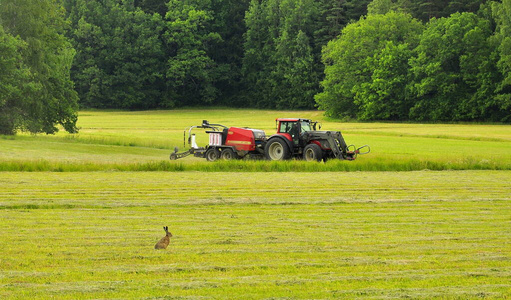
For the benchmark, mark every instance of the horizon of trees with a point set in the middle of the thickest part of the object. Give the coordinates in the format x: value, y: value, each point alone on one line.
x: 388, y: 66
x: 425, y: 60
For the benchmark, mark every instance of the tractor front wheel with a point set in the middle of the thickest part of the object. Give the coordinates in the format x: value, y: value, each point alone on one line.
x: 212, y: 154
x: 276, y: 149
x: 312, y: 152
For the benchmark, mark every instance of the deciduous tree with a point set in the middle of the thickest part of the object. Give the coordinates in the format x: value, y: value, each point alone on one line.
x: 119, y: 61
x: 453, y: 70
x: 37, y: 59
x: 189, y: 36
x: 502, y: 42
x: 367, y: 67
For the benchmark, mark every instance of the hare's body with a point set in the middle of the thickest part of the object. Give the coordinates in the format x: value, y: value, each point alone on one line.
x: 164, y: 242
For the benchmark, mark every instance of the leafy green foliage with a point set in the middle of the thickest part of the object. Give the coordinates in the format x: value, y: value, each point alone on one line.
x: 366, y: 67
x: 332, y: 18
x: 119, y: 55
x: 293, y: 74
x: 295, y: 66
x: 380, y: 7
x: 428, y: 9
x: 450, y: 71
x: 383, y: 97
x: 453, y: 70
x: 281, y: 66
x: 502, y: 38
x: 152, y: 6
x: 37, y: 92
x: 354, y: 9
x: 190, y: 70
x: 188, y: 53
x: 229, y: 23
x: 425, y: 10
x: 14, y: 79
x: 145, y: 54
x: 384, y: 6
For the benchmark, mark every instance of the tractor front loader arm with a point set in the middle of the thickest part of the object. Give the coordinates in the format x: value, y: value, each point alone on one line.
x: 336, y: 143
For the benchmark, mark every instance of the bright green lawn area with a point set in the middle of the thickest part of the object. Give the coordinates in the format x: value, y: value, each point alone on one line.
x: 376, y: 235
x: 121, y: 137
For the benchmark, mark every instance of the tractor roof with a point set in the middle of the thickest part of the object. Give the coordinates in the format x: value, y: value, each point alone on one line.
x: 292, y: 120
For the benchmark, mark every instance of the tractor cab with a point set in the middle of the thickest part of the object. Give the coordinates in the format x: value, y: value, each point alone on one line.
x: 293, y: 128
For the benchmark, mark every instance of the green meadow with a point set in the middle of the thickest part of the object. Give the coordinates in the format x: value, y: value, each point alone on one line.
x: 425, y: 215
x: 142, y: 141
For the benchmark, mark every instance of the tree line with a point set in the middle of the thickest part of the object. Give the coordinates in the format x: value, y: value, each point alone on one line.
x: 391, y: 66
x: 426, y: 60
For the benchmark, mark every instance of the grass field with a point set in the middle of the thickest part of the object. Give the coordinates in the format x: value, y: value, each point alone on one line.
x: 137, y: 140
x: 261, y: 235
x: 82, y: 223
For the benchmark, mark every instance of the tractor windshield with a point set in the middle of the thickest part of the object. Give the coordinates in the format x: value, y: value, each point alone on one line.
x: 306, y: 126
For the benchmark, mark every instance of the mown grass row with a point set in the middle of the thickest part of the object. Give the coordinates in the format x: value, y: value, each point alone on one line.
x: 256, y: 166
x: 94, y: 140
x: 370, y: 235
x: 431, y: 136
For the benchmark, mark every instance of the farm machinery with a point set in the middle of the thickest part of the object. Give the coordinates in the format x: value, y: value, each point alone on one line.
x: 295, y: 138
x: 224, y: 142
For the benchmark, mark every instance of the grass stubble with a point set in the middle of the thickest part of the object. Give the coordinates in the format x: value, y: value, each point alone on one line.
x: 260, y: 235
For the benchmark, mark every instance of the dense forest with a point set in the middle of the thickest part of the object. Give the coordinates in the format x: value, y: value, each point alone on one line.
x: 425, y: 60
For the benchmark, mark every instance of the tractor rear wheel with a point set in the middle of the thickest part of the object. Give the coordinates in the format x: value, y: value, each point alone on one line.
x: 212, y: 154
x: 312, y: 152
x: 228, y: 154
x: 276, y: 149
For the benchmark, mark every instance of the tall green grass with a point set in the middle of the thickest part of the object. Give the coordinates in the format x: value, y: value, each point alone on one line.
x: 255, y: 166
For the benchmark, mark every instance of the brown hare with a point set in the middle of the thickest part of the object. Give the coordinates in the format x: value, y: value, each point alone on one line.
x: 164, y: 242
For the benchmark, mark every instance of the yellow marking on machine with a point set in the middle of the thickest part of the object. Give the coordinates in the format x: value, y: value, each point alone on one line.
x: 239, y: 142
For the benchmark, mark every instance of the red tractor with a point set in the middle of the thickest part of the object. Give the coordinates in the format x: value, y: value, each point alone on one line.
x: 299, y: 138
